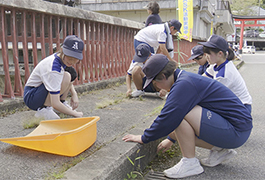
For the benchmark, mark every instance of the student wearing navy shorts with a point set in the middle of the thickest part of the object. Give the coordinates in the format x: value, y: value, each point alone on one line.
x: 52, y: 79
x: 136, y: 74
x: 199, y: 111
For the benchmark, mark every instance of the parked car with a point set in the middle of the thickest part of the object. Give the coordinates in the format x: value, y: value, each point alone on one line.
x: 262, y: 35
x: 249, y: 49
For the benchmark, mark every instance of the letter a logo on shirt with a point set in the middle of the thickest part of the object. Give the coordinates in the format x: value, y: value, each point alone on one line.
x: 75, y: 46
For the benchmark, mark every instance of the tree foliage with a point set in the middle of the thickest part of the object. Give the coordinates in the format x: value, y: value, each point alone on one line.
x: 242, y: 7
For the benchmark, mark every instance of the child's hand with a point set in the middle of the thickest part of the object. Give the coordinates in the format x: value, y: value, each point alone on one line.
x: 162, y: 93
x: 129, y: 92
x: 164, y: 145
x: 74, y: 102
x: 78, y: 114
x: 133, y: 138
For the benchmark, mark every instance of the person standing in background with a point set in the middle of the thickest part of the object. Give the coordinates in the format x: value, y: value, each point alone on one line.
x: 153, y: 9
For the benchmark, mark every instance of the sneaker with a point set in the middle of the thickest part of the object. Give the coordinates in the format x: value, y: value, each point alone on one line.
x: 184, y: 168
x: 217, y: 156
x: 46, y: 113
x: 67, y: 105
x: 137, y: 93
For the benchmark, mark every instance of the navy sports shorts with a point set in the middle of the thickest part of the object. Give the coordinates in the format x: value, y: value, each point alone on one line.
x: 217, y: 131
x: 34, y: 97
x: 150, y: 88
x: 136, y: 43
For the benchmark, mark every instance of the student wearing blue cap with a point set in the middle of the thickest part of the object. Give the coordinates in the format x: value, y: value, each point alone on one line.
x: 51, y: 80
x: 200, y: 58
x: 199, y: 111
x: 159, y: 37
x: 224, y: 70
x: 136, y: 74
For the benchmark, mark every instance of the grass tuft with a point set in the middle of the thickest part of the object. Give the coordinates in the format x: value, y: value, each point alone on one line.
x: 32, y: 123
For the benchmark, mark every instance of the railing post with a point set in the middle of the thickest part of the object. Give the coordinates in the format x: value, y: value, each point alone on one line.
x: 83, y: 62
x: 88, y: 51
x: 8, y: 88
x: 34, y: 40
x: 112, y: 47
x: 42, y: 37
x: 50, y: 41
x: 116, y: 60
x: 25, y: 45
x: 17, y: 84
x: 107, y: 50
x: 103, y: 50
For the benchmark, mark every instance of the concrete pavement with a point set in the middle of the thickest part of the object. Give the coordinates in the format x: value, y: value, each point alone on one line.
x: 107, y: 158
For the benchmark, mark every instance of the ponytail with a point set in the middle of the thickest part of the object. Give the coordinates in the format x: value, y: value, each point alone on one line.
x: 231, y: 54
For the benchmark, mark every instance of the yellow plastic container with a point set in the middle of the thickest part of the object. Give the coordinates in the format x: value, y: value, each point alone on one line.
x: 67, y: 137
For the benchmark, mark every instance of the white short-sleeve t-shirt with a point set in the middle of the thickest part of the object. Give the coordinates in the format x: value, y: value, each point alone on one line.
x: 152, y: 35
x: 228, y: 75
x: 50, y: 72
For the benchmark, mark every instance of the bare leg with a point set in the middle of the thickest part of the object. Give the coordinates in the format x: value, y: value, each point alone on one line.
x: 65, y: 87
x: 137, y: 76
x: 189, y: 127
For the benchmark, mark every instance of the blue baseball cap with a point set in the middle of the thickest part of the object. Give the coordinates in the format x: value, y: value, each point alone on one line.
x: 73, y: 47
x: 196, y: 51
x: 142, y: 53
x: 153, y: 66
x: 217, y: 42
x: 177, y: 25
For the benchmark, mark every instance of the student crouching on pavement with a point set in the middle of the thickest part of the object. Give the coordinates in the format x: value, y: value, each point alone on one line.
x: 200, y: 58
x: 199, y: 112
x: 136, y: 74
x: 223, y: 69
x: 52, y: 79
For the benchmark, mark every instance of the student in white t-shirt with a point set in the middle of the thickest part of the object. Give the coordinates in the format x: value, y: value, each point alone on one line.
x: 159, y: 37
x: 52, y: 79
x: 224, y: 70
x: 136, y: 74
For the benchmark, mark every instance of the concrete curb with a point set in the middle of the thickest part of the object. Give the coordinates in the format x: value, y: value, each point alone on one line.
x: 115, y: 165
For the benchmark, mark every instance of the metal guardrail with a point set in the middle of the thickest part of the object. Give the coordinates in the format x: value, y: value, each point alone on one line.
x: 36, y: 33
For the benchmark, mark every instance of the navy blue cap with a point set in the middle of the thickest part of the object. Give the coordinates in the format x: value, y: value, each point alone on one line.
x: 196, y: 51
x: 217, y: 42
x: 153, y: 66
x: 177, y: 25
x: 73, y: 47
x: 142, y: 53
